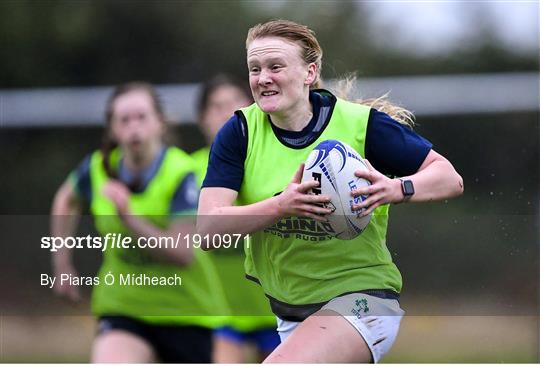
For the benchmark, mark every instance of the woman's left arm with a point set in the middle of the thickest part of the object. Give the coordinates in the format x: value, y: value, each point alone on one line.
x: 436, y: 179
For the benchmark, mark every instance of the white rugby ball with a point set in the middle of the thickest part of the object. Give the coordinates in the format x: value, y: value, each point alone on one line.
x: 333, y: 164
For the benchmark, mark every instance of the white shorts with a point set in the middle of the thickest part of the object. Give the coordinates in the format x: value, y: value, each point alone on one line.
x: 376, y: 320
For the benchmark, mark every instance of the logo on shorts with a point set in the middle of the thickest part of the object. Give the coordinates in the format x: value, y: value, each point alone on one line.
x: 361, y: 307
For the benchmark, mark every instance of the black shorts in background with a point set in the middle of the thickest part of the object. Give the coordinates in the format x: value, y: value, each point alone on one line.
x: 172, y: 344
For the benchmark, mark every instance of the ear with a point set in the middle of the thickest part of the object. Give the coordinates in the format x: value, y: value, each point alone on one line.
x: 312, y: 74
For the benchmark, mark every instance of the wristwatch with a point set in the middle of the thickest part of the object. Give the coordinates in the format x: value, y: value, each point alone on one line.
x: 407, y: 188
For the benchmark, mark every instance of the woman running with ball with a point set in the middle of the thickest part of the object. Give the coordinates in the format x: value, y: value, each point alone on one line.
x: 335, y: 301
x: 137, y: 185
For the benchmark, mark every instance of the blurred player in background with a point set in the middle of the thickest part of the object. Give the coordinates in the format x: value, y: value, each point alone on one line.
x: 220, y: 97
x: 336, y: 301
x: 138, y: 185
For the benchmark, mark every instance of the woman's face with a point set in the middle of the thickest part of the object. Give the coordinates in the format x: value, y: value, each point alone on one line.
x: 278, y: 76
x: 222, y: 103
x: 135, y: 123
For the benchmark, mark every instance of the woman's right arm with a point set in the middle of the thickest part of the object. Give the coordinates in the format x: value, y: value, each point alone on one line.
x: 218, y: 215
x: 65, y: 214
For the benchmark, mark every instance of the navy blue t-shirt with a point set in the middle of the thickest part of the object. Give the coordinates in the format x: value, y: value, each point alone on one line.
x: 391, y: 147
x: 184, y: 199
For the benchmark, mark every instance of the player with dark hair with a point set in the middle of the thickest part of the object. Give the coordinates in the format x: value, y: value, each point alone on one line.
x: 220, y: 97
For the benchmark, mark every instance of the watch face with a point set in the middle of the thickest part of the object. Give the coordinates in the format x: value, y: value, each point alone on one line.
x: 408, y: 187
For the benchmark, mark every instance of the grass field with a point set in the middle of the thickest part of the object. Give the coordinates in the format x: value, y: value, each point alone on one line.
x: 477, y: 339
x: 470, y: 339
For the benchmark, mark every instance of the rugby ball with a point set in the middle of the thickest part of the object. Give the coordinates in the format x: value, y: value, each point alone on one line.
x: 333, y: 164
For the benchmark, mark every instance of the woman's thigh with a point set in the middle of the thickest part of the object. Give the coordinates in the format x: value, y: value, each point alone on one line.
x: 120, y: 346
x: 352, y: 328
x: 324, y: 337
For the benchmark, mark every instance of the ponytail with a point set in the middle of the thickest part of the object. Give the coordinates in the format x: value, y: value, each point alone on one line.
x: 345, y: 87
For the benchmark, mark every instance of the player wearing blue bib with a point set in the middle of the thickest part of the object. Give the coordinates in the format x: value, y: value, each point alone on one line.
x: 335, y: 301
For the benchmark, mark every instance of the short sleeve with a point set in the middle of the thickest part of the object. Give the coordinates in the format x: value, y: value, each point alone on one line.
x: 392, y: 148
x: 186, y: 196
x: 227, y: 156
x: 80, y: 179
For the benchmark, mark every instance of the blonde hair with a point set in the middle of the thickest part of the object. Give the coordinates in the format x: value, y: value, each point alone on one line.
x: 345, y: 87
x: 311, y: 52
